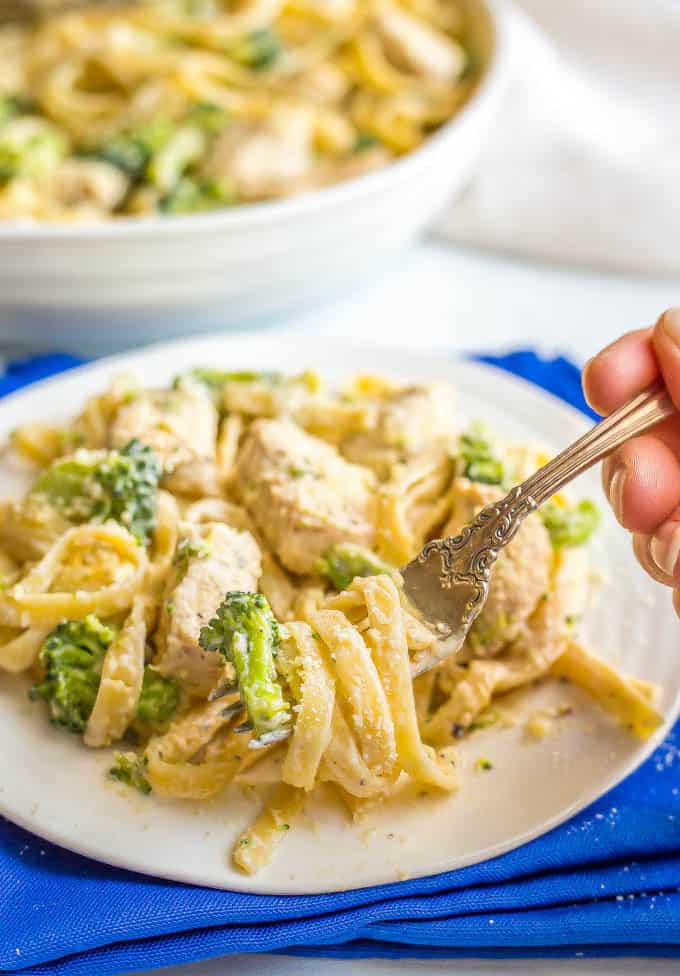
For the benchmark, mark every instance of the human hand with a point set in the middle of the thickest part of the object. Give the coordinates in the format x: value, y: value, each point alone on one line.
x: 642, y: 478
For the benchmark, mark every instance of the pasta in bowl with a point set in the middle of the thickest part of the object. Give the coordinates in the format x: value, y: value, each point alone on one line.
x: 170, y: 107
x: 199, y: 568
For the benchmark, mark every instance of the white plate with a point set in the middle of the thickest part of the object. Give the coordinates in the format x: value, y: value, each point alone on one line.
x: 57, y: 789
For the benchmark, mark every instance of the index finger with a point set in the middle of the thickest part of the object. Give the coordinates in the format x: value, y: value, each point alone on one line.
x: 620, y: 371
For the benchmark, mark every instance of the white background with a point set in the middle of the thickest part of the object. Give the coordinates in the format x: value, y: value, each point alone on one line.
x: 440, y: 296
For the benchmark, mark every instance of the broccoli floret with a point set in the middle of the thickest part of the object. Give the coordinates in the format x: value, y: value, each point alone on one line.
x: 161, y: 151
x: 126, y: 154
x: 95, y: 486
x: 478, y: 458
x: 72, y: 657
x: 159, y: 698
x: 259, y: 49
x: 214, y: 381
x: 570, y: 525
x: 132, y: 150
x: 69, y: 485
x: 345, y: 561
x: 130, y: 480
x: 13, y: 105
x: 246, y: 634
x: 29, y: 147
x: 185, y: 146
x: 129, y: 769
x: 192, y: 195
x: 365, y: 141
x: 186, y: 551
x: 217, y: 379
x: 210, y: 118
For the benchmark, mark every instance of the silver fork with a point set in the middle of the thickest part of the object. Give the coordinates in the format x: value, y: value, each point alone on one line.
x: 448, y: 581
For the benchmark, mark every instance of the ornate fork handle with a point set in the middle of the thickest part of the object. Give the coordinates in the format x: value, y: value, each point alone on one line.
x: 496, y: 525
x: 634, y: 417
x: 463, y: 563
x: 467, y: 559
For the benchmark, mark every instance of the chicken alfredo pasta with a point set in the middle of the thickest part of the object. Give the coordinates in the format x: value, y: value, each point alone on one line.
x: 204, y: 576
x: 179, y: 106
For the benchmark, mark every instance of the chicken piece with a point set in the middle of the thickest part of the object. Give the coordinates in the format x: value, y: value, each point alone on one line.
x: 520, y: 578
x: 411, y: 45
x: 263, y: 159
x: 179, y: 425
x: 211, y: 560
x: 89, y: 183
x: 407, y: 423
x: 301, y: 494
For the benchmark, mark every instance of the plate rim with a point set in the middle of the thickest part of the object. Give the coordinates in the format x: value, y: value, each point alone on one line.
x: 417, y: 358
x: 117, y: 360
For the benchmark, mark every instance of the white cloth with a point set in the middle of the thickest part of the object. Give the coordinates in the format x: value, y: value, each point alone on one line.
x: 583, y: 165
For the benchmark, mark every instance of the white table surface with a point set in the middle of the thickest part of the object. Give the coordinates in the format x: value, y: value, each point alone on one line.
x: 439, y: 296
x: 463, y: 300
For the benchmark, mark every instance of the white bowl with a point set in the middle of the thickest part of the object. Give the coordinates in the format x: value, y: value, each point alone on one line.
x: 132, y: 280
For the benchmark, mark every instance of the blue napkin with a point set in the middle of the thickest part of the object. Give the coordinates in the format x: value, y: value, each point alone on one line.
x: 605, y: 883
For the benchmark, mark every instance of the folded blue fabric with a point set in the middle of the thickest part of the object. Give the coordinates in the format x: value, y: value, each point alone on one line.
x: 606, y: 883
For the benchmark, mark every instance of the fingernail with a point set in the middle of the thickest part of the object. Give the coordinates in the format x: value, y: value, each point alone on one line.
x: 664, y: 547
x: 584, y: 372
x: 584, y: 379
x: 609, y: 466
x: 670, y: 323
x: 617, y: 483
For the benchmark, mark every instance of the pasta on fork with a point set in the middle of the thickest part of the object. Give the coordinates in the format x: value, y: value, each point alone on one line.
x: 204, y: 579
